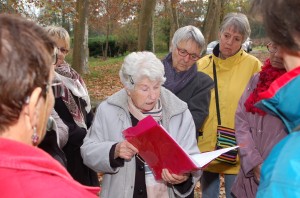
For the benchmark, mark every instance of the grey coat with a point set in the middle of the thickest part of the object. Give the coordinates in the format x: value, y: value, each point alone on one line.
x: 112, y: 117
x: 257, y: 135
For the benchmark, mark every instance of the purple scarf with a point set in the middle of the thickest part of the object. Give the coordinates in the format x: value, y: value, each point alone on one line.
x: 176, y: 81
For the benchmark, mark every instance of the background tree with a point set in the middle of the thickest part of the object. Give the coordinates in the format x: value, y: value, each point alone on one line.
x: 80, y: 51
x: 146, y: 14
x: 212, y: 20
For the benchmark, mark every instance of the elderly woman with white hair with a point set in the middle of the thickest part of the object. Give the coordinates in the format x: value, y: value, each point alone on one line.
x: 105, y: 149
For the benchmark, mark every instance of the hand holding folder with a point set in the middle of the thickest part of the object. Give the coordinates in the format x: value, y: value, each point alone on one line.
x: 161, y: 151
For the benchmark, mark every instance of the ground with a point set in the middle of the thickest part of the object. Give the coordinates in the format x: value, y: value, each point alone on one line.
x: 101, y: 87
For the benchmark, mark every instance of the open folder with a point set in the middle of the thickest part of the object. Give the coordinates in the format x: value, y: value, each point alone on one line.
x: 160, y: 150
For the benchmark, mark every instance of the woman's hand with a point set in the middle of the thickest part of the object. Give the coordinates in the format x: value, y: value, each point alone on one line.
x: 125, y: 150
x: 173, y: 178
x: 256, y: 171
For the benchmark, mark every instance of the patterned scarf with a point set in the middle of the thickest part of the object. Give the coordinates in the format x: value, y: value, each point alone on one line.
x: 266, y: 76
x: 156, y: 112
x: 72, y: 83
x: 177, y: 80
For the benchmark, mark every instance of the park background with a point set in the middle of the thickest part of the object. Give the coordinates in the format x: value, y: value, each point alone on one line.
x: 103, y: 32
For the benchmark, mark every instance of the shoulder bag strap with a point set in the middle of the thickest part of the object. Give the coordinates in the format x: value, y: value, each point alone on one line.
x: 216, y: 93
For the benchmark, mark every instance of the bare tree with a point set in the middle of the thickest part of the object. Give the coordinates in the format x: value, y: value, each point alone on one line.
x: 80, y: 50
x: 212, y: 20
x: 174, y: 25
x: 146, y: 14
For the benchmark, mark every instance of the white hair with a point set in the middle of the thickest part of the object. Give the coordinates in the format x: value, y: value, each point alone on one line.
x: 138, y: 65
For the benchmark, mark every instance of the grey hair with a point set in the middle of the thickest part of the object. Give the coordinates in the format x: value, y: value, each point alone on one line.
x: 186, y: 33
x: 239, y: 22
x: 138, y: 65
x: 60, y: 33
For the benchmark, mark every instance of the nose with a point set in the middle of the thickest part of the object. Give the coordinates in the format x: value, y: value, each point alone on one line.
x: 153, y: 94
x: 186, y: 58
x: 230, y: 40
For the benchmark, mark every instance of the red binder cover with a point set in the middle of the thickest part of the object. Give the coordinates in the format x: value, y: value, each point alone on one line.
x: 158, y: 148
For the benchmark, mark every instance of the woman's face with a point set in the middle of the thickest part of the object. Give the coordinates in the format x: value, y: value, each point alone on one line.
x: 145, y: 94
x: 62, y: 50
x: 275, y: 56
x: 184, y: 55
x: 230, y: 42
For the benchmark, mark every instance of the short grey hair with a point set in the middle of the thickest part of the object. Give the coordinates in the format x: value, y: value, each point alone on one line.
x: 239, y: 22
x: 188, y: 33
x: 59, y: 33
x: 138, y: 65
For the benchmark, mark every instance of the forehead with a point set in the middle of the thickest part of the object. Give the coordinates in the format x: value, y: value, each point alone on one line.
x: 190, y: 46
x: 61, y: 43
x: 233, y: 31
x: 145, y: 81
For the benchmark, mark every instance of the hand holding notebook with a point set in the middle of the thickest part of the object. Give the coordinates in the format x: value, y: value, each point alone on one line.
x: 160, y: 150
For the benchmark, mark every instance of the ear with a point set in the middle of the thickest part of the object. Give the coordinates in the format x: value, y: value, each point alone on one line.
x: 33, y: 105
x: 127, y: 91
x: 219, y: 36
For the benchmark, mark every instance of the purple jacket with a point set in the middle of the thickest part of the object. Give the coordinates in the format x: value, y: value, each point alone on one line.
x: 257, y: 135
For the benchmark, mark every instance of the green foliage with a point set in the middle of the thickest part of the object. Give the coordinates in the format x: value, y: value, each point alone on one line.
x: 97, y: 47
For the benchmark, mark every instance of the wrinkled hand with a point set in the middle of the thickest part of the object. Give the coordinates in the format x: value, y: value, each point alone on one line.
x: 125, y: 150
x: 173, y: 178
x: 256, y: 171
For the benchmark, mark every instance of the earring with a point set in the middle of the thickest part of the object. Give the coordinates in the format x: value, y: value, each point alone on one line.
x: 35, y: 137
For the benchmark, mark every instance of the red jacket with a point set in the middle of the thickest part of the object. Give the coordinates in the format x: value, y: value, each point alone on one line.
x: 27, y: 171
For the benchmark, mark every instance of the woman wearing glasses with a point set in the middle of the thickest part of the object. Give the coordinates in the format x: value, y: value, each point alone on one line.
x: 72, y: 104
x: 26, y: 100
x: 256, y: 131
x: 181, y: 74
x: 233, y: 70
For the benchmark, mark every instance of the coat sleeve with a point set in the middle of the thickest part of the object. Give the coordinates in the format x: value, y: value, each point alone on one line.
x: 199, y: 102
x: 249, y: 155
x: 97, y: 143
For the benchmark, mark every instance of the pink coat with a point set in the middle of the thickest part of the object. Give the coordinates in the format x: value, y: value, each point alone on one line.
x: 27, y: 171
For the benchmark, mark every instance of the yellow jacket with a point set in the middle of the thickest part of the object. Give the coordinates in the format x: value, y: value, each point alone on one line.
x: 233, y: 75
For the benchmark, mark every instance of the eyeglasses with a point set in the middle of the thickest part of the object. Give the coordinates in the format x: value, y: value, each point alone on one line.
x: 63, y: 50
x: 54, y: 56
x: 272, y: 48
x: 53, y: 84
x: 184, y: 53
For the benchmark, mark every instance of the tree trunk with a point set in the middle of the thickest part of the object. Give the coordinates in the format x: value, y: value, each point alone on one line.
x: 146, y: 14
x: 174, y: 24
x: 212, y: 20
x: 80, y: 50
x: 107, y: 38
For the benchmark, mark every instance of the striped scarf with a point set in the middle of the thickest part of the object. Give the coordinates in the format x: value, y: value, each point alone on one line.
x: 156, y: 112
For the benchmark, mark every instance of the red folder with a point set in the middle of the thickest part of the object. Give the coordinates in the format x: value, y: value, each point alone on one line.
x: 158, y: 148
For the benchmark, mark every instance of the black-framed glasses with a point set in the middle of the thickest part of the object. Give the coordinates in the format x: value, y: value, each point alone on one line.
x: 184, y: 53
x: 272, y: 48
x: 54, y: 56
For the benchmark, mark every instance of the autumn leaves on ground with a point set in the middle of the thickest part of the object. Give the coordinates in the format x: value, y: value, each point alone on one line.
x: 103, y: 80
